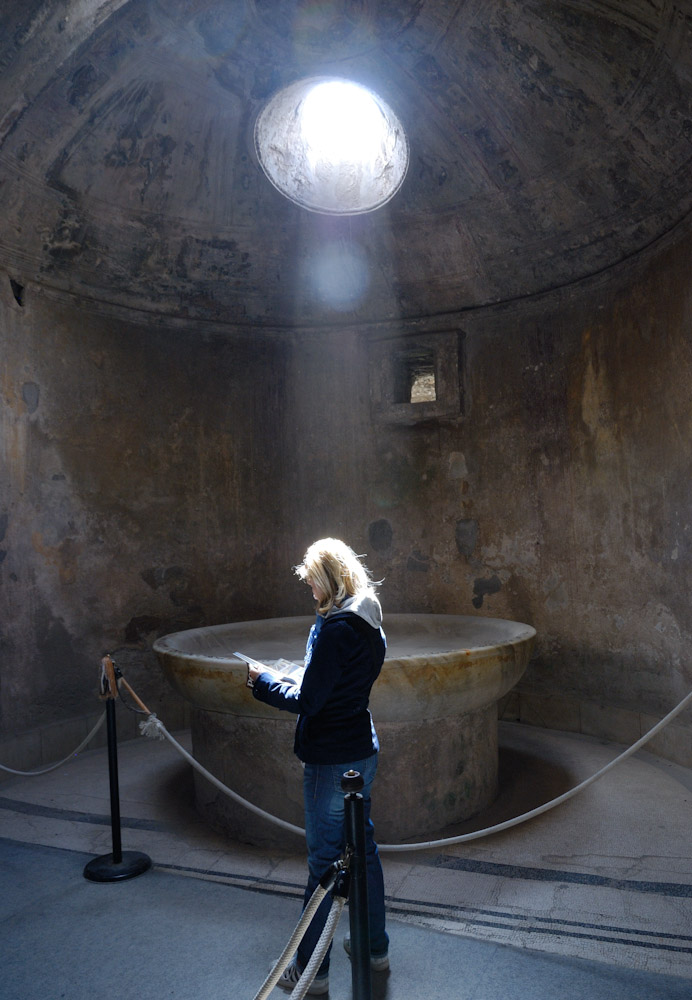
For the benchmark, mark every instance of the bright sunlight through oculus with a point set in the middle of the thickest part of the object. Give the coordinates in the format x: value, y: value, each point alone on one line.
x: 332, y: 146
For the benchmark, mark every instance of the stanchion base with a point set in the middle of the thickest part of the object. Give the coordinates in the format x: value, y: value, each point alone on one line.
x: 105, y: 869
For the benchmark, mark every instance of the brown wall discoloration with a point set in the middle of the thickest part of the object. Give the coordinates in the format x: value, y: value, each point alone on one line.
x: 139, y: 498
x: 569, y: 473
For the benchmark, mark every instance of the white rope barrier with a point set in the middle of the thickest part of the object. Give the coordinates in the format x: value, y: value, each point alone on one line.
x: 331, y: 877
x: 155, y: 728
x: 293, y: 942
x: 325, y: 939
x: 488, y: 831
x: 52, y: 767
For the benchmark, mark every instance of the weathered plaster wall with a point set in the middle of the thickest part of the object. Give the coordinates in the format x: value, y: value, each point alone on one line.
x: 561, y: 497
x: 158, y: 478
x: 138, y: 496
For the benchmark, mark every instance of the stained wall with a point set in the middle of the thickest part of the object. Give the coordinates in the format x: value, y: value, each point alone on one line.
x: 139, y: 496
x: 158, y: 476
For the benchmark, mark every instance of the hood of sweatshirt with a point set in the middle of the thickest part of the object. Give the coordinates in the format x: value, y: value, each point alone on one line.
x: 365, y: 605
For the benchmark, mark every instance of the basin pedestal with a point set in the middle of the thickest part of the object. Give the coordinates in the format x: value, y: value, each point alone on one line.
x: 434, y: 707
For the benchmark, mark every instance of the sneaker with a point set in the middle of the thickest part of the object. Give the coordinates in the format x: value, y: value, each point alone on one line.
x: 290, y: 976
x: 378, y: 963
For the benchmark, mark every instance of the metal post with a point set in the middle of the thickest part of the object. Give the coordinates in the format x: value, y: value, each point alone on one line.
x: 116, y: 838
x: 116, y: 866
x: 354, y: 808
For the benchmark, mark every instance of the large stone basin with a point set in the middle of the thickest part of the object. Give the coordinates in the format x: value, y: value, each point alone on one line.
x: 434, y: 706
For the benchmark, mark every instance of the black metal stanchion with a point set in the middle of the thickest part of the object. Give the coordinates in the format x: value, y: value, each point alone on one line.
x: 352, y: 783
x: 116, y: 866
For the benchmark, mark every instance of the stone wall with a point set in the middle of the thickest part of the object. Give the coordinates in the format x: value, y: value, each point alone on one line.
x: 558, y: 495
x: 139, y: 496
x: 158, y: 476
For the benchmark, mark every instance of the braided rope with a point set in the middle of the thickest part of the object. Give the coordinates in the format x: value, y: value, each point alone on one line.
x: 52, y: 767
x: 155, y: 724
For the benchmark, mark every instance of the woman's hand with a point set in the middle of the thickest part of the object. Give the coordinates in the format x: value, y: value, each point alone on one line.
x: 253, y: 673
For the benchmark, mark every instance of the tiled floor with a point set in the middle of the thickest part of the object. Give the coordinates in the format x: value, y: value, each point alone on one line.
x: 606, y: 876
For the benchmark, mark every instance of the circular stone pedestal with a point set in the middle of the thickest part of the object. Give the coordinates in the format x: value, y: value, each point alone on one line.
x: 434, y: 707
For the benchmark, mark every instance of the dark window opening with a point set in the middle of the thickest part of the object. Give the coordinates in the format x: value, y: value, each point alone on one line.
x: 415, y: 377
x: 414, y: 380
x: 17, y: 291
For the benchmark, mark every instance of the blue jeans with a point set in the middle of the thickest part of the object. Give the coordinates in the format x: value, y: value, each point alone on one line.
x: 324, y: 830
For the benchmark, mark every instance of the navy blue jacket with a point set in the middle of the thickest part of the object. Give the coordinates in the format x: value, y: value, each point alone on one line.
x: 343, y: 659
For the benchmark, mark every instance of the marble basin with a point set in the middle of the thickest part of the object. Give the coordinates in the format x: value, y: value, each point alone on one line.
x: 434, y: 707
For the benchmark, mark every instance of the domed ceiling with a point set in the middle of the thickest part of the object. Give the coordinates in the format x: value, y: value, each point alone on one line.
x: 548, y: 142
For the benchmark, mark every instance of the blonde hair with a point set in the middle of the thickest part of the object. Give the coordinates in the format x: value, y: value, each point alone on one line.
x: 336, y: 571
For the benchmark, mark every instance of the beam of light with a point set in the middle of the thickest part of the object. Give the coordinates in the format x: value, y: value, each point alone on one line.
x: 338, y: 275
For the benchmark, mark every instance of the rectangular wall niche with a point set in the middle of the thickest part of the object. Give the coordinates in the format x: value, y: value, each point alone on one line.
x: 416, y: 378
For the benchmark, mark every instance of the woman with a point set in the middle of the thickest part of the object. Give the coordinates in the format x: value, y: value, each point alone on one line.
x: 334, y: 733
